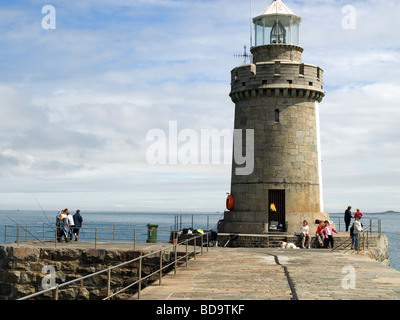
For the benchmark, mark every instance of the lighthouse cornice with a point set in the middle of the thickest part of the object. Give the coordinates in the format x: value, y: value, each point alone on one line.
x: 277, y: 79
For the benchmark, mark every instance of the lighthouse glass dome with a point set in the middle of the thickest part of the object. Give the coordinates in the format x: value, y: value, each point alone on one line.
x: 277, y: 24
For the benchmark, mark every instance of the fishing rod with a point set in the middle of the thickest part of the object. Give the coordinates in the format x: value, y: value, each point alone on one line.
x: 26, y: 229
x: 49, y: 223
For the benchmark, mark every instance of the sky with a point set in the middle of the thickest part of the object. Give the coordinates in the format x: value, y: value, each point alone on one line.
x: 78, y: 100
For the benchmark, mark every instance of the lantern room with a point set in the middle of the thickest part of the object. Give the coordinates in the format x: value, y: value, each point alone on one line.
x: 277, y: 24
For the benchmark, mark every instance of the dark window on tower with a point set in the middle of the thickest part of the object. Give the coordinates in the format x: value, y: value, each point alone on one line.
x: 276, y: 115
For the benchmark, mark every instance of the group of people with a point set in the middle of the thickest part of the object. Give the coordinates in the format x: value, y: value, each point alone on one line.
x: 68, y: 225
x: 323, y: 234
x: 356, y: 228
x: 325, y: 231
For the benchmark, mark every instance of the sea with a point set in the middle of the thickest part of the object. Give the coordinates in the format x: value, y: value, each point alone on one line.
x: 134, y: 226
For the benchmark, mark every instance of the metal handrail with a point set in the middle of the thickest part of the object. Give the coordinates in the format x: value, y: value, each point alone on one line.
x: 48, y: 233
x: 57, y: 287
x: 375, y: 225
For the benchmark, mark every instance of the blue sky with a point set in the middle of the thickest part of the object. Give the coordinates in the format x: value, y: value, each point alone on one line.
x: 77, y: 102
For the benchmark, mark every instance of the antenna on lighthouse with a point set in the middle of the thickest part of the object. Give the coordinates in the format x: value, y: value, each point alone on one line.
x: 251, y: 25
x: 244, y: 55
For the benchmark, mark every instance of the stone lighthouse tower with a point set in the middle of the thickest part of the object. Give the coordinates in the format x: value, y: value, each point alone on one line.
x: 277, y: 97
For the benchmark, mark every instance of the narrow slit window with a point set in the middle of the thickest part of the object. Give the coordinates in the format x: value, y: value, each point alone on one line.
x: 276, y: 115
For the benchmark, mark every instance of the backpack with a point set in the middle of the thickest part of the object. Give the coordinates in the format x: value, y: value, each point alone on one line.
x: 352, y: 230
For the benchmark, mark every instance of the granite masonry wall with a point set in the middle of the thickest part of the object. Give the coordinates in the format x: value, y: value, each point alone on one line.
x: 21, y: 271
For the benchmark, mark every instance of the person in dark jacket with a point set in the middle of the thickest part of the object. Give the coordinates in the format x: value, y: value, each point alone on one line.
x: 347, y: 217
x: 78, y: 221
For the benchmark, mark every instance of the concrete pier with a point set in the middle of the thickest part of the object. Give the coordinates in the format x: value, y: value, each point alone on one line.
x: 263, y: 274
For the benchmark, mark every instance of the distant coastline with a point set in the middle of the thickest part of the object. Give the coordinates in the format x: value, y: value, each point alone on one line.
x: 373, y: 213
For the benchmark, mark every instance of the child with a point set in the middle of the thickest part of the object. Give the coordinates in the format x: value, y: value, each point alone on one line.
x: 305, y: 234
x: 328, y: 234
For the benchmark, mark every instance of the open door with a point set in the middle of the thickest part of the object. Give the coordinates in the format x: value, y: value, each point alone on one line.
x: 277, y: 211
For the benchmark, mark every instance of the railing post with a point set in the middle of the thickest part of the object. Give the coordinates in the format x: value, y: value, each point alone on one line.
x: 201, y: 244
x: 187, y: 253
x: 140, y: 277
x: 5, y: 234
x: 194, y: 244
x: 363, y: 241
x: 56, y: 293
x: 114, y: 233
x: 18, y: 235
x: 26, y: 233
x: 134, y: 239
x: 370, y: 225
x: 43, y: 231
x: 379, y: 226
x: 108, y: 283
x: 207, y: 241
x: 95, y: 239
x: 161, y: 268
x: 176, y: 260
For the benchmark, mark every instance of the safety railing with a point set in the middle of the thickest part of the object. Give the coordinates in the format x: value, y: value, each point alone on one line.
x: 98, y: 235
x: 371, y: 225
x: 365, y: 239
x: 55, y: 290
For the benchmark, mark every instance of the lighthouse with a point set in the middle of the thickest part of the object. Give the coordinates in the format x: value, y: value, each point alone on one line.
x: 276, y: 96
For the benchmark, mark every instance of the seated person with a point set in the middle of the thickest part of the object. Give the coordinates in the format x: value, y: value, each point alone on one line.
x: 305, y: 234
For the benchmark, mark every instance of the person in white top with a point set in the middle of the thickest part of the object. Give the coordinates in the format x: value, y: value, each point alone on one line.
x: 305, y: 234
x: 357, y: 230
x: 70, y: 224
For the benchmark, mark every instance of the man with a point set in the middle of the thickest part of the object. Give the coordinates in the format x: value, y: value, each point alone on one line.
x: 78, y: 221
x: 357, y: 230
x: 347, y: 217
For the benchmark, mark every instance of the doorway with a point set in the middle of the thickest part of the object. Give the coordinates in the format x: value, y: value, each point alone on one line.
x: 276, y: 210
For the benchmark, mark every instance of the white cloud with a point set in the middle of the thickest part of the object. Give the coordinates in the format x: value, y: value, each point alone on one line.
x: 77, y: 102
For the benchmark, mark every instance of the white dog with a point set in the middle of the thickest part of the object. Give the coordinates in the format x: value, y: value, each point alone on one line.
x: 288, y: 245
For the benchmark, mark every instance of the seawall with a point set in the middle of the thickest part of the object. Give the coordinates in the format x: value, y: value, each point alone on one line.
x: 21, y: 270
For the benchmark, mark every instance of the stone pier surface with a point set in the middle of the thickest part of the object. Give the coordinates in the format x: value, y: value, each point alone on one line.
x: 254, y: 274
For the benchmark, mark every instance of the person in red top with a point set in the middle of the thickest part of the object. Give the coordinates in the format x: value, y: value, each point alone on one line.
x: 319, y: 234
x: 358, y: 213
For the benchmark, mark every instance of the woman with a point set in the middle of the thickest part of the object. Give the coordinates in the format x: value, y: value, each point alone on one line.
x: 305, y: 234
x: 328, y: 230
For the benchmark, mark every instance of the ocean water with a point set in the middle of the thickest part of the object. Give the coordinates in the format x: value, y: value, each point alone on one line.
x: 125, y: 226
x: 112, y: 225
